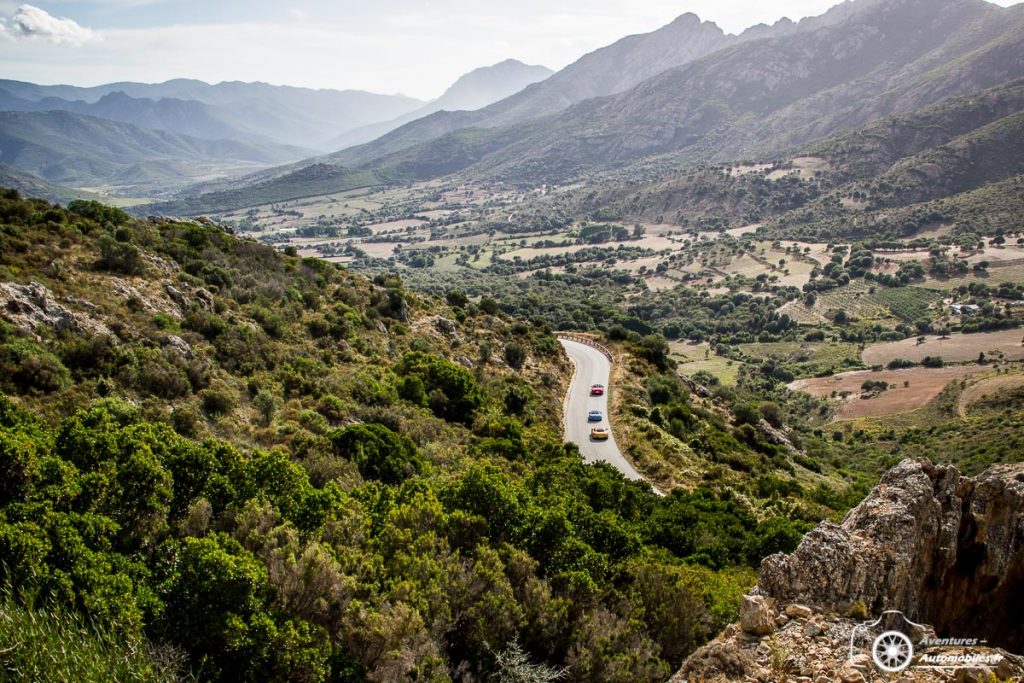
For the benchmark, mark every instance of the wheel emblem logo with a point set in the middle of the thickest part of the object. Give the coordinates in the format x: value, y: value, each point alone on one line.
x: 892, y: 651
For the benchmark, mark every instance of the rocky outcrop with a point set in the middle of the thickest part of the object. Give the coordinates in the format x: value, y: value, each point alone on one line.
x: 807, y: 645
x: 944, y: 550
x: 941, y: 548
x: 201, y: 297
x: 29, y: 306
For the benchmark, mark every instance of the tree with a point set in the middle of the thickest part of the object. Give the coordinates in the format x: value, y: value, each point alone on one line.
x: 746, y: 413
x: 655, y: 348
x: 489, y: 306
x: 216, y: 606
x: 456, y: 298
x: 452, y: 390
x: 771, y: 413
x: 266, y: 403
x: 515, y: 354
x: 378, y: 452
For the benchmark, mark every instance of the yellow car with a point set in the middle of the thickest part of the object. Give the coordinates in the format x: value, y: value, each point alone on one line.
x: 599, y: 434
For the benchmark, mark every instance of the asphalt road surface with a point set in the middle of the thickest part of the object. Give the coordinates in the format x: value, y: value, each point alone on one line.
x: 592, y: 367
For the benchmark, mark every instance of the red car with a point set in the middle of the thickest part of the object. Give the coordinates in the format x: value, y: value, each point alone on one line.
x: 597, y: 390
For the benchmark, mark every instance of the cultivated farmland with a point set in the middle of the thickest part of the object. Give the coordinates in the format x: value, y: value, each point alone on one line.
x: 907, y: 389
x: 956, y: 347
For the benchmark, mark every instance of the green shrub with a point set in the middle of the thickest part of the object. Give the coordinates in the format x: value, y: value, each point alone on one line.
x: 452, y: 390
x: 378, y: 452
x: 218, y: 400
x: 166, y: 322
x: 515, y: 354
x: 27, y: 368
x: 101, y: 213
x: 120, y: 257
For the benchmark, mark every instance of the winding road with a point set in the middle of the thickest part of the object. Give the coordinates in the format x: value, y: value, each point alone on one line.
x: 592, y: 367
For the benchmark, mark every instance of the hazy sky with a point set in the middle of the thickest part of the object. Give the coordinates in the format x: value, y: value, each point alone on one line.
x: 381, y: 45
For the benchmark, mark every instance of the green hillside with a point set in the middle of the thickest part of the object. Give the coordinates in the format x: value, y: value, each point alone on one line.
x: 309, y: 181
x: 83, y: 151
x: 281, y: 470
x: 34, y: 186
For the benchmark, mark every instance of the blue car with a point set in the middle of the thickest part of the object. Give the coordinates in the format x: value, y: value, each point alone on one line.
x: 594, y: 416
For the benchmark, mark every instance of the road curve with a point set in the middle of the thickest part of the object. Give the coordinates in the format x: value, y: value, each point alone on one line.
x: 592, y: 367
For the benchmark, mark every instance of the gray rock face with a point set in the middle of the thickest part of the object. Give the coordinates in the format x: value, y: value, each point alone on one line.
x: 178, y: 345
x: 944, y: 549
x: 31, y: 305
x: 202, y: 298
x: 445, y: 325
x: 757, y: 615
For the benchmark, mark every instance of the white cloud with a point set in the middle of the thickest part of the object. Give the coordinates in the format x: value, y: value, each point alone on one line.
x: 384, y: 46
x: 32, y: 22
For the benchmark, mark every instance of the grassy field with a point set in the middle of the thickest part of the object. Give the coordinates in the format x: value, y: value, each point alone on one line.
x: 956, y: 347
x: 693, y: 358
x: 994, y: 276
x: 987, y: 389
x: 811, y: 357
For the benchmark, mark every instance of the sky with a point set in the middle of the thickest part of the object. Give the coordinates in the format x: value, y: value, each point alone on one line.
x: 385, y: 46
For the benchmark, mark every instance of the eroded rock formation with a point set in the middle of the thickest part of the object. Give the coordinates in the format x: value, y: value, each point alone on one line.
x: 943, y: 549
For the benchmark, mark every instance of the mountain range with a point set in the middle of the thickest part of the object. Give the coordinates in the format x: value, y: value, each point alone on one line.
x: 85, y: 151
x: 758, y: 98
x: 687, y: 94
x: 242, y: 111
x: 149, y: 138
x: 690, y: 94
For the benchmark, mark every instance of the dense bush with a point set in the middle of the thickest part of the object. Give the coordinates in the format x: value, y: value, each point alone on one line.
x: 252, y: 572
x: 452, y: 390
x: 378, y: 452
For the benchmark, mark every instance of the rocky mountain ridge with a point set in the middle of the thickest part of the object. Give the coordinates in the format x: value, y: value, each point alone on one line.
x: 606, y: 71
x: 477, y: 89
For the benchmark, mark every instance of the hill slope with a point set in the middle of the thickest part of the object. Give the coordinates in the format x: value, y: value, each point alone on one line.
x: 259, y: 459
x: 242, y: 111
x: 948, y: 149
x: 34, y: 186
x: 606, y: 71
x: 764, y: 97
x: 84, y: 151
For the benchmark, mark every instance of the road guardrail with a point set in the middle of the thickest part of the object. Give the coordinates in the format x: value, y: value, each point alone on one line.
x: 571, y: 336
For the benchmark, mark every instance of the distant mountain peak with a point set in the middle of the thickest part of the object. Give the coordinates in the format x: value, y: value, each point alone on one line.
x: 689, y: 21
x: 488, y: 84
x: 686, y: 18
